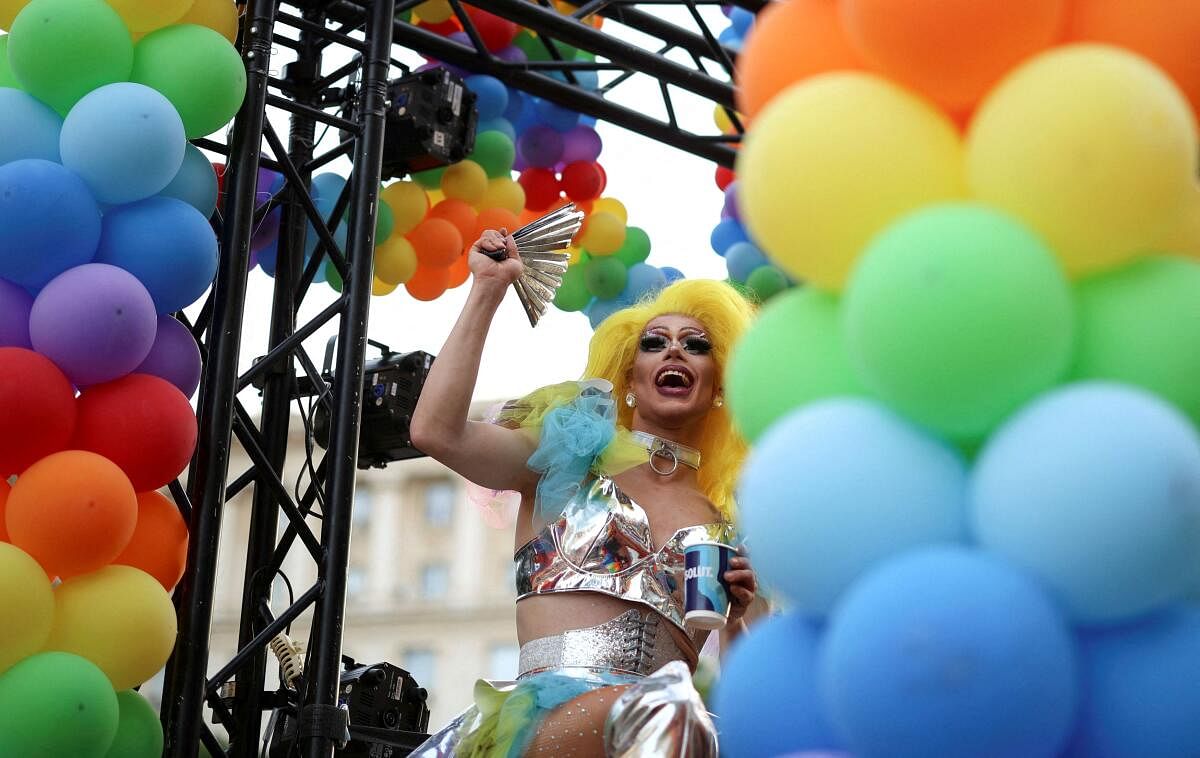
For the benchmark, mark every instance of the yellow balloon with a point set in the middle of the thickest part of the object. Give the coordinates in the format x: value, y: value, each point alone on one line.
x: 379, y: 288
x: 395, y: 261
x: 409, y: 204
x: 833, y: 160
x: 573, y: 255
x: 1090, y: 145
x: 27, y: 603
x: 613, y: 206
x: 503, y: 192
x: 465, y: 180
x: 723, y: 122
x: 602, y: 233
x: 219, y: 15
x: 1184, y: 235
x: 9, y: 10
x: 147, y: 15
x: 119, y: 618
x: 434, y: 11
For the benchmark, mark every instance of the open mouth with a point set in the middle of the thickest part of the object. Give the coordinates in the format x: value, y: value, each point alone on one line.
x: 674, y: 380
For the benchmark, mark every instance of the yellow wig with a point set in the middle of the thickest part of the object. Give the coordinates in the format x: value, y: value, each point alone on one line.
x: 725, y: 315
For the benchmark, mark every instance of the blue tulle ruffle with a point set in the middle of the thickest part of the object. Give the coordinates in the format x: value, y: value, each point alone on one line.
x: 573, y: 435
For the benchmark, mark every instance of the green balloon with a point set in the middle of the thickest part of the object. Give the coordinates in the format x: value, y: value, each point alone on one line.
x: 332, y: 277
x: 956, y: 315
x: 573, y: 295
x: 431, y: 179
x: 605, y: 276
x: 139, y: 734
x: 6, y: 75
x: 60, y: 50
x: 385, y: 222
x: 495, y: 152
x: 1140, y: 324
x: 635, y: 248
x: 197, y: 70
x: 791, y: 356
x: 766, y: 282
x: 56, y: 704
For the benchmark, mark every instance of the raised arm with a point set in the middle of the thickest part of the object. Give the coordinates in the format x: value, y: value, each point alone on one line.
x: 488, y: 455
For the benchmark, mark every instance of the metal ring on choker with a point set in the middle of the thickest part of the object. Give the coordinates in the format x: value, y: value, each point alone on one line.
x: 664, y: 451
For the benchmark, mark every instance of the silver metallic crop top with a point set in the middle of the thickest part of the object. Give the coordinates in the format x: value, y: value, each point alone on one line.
x: 602, y: 543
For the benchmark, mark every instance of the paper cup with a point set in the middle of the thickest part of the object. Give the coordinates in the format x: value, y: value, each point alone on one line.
x: 705, y: 592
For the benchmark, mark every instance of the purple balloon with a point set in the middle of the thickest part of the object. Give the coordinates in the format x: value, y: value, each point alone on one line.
x: 174, y: 356
x: 512, y: 54
x: 96, y: 321
x: 264, y: 185
x: 540, y: 146
x: 581, y: 143
x: 15, y: 303
x: 730, y: 209
x: 267, y: 231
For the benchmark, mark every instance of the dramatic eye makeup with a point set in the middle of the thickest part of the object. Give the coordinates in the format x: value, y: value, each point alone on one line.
x: 695, y: 344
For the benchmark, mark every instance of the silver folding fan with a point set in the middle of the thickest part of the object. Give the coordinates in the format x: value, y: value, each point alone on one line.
x: 541, y: 243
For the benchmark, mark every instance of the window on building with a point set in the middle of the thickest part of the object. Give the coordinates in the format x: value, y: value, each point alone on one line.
x: 420, y: 663
x: 503, y: 661
x: 363, y: 506
x: 439, y: 502
x: 435, y: 581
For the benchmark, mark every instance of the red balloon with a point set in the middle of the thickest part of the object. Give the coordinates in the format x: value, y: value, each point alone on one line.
x: 724, y: 177
x: 541, y: 187
x: 445, y: 28
x: 159, y: 542
x: 497, y: 33
x: 143, y: 424
x: 37, y: 409
x: 583, y: 180
x: 4, y: 490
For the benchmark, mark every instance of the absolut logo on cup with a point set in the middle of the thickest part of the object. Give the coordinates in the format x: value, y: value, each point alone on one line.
x: 705, y: 593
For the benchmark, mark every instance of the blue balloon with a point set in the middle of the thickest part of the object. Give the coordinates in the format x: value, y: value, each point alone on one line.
x: 166, y: 244
x: 766, y: 699
x: 672, y: 274
x: 588, y: 120
x: 742, y: 20
x: 598, y: 309
x: 49, y: 222
x: 325, y: 206
x: 1143, y: 689
x: 28, y: 127
x: 196, y: 182
x: 327, y: 186
x: 643, y: 279
x: 742, y: 258
x: 727, y: 233
x: 517, y: 100
x: 555, y: 116
x: 125, y: 140
x: 1095, y: 488
x: 731, y: 39
x: 948, y: 652
x: 835, y: 487
x: 498, y: 125
x: 268, y: 258
x: 491, y: 96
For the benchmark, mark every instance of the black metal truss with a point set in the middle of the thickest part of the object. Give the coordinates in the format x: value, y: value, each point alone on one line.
x: 369, y: 30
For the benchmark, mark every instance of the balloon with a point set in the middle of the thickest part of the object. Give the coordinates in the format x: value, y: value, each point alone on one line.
x: 868, y: 151
x: 956, y: 315
x: 459, y: 272
x: 953, y: 51
x: 434, y: 11
x: 1109, y: 169
x: 72, y: 511
x: 766, y: 282
x: 642, y: 280
x: 143, y: 424
x: 97, y: 615
x: 494, y: 152
x: 497, y: 33
x: 1140, y: 324
x: 5, y: 489
x: 493, y: 218
x: 573, y: 294
x: 500, y: 125
x: 673, y: 274
x: 541, y: 188
x: 598, y: 309
x: 583, y: 181
x: 139, y: 733
x: 7, y: 79
x: 602, y: 234
x: 60, y: 50
x: 820, y: 513
x: 174, y: 356
x: 465, y: 180
x: 491, y: 97
x: 97, y: 322
x: 142, y: 16
x: 219, y: 15
x: 791, y: 356
x: 28, y: 127
x: 636, y: 246
x: 729, y: 208
x: 395, y: 261
x: 195, y: 183
x: 613, y: 206
x: 430, y: 179
x: 28, y: 604
x: 54, y: 704
x: 37, y: 409
x: 950, y: 652
x: 460, y: 214
x: 48, y: 222
x: 605, y: 277
x: 1095, y: 488
x: 15, y: 304
x: 437, y: 242
x: 1142, y: 695
x: 790, y: 42
x: 503, y: 192
x: 742, y: 258
x: 766, y: 699
x: 159, y: 542
x: 727, y: 233
x: 197, y: 70
x: 167, y: 244
x: 581, y: 144
x: 724, y: 177
x: 327, y: 186
x: 540, y: 146
x: 409, y: 204
x: 428, y: 283
x: 125, y: 140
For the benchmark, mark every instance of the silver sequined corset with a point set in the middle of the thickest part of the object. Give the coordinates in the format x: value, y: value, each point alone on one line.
x: 602, y: 543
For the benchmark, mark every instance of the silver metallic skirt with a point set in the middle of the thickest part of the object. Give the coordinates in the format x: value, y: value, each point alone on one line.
x: 636, y: 642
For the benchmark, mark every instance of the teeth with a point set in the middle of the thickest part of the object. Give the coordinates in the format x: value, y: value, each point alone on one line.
x: 683, y: 378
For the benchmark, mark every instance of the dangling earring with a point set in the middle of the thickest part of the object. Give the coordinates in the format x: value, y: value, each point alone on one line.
x: 718, y: 401
x: 630, y: 400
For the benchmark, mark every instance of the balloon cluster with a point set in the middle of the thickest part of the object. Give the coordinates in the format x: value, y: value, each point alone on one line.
x: 976, y: 475
x: 741, y: 21
x: 104, y: 234
x: 748, y: 266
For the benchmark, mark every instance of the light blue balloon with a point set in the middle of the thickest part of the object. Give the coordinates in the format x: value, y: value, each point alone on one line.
x: 742, y: 258
x: 742, y: 20
x: 195, y: 183
x: 28, y: 127
x: 731, y: 39
x: 1143, y: 689
x: 1095, y: 488
x: 672, y: 274
x: 491, y: 96
x: 598, y: 309
x: 501, y: 125
x: 325, y: 204
x: 839, y: 485
x: 327, y: 186
x: 948, y: 652
x: 727, y: 233
x: 125, y: 140
x: 766, y: 699
x: 49, y: 222
x: 643, y: 279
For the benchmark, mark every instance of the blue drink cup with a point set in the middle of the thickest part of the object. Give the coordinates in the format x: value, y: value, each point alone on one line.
x: 705, y: 592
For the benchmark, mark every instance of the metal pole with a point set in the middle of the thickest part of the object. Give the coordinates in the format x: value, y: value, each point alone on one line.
x: 183, y: 690
x: 319, y: 711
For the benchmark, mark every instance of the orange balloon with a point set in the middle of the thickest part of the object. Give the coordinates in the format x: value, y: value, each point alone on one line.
x: 428, y: 283
x: 495, y: 218
x: 791, y: 41
x: 458, y: 273
x: 73, y: 511
x: 4, y: 490
x: 1165, y: 31
x: 457, y: 212
x: 159, y: 542
x: 526, y: 215
x: 437, y: 242
x: 952, y: 51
